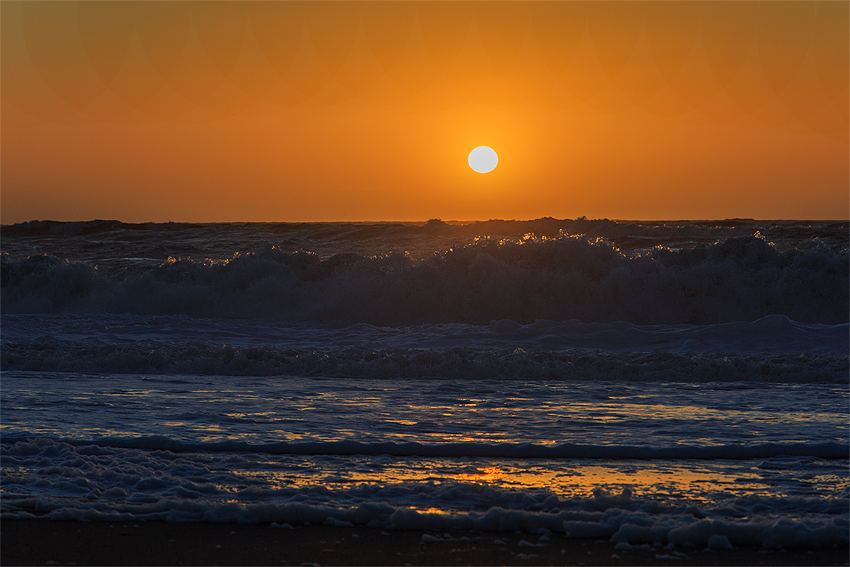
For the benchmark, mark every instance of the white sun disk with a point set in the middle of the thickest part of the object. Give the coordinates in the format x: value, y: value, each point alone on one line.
x: 483, y: 159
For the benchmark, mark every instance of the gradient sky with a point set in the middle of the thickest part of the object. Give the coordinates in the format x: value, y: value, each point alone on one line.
x: 286, y: 111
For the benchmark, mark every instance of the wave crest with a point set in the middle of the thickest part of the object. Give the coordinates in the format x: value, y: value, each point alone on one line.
x: 562, y: 278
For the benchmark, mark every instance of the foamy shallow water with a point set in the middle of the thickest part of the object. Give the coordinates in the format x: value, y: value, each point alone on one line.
x: 669, y: 462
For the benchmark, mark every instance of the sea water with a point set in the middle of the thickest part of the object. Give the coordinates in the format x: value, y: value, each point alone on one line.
x: 648, y: 383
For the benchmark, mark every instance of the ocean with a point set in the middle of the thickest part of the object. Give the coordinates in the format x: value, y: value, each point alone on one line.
x: 676, y: 384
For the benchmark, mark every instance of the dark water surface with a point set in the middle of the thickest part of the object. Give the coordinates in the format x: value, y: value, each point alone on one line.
x: 670, y: 384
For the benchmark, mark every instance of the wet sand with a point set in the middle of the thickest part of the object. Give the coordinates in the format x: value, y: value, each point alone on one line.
x: 47, y: 542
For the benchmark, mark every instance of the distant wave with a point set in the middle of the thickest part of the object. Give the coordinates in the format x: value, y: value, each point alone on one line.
x: 624, y: 234
x: 562, y: 278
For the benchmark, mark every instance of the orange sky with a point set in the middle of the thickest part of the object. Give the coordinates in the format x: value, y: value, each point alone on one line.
x: 285, y: 111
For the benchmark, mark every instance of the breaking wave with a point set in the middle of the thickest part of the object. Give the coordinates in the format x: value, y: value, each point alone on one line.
x: 561, y: 278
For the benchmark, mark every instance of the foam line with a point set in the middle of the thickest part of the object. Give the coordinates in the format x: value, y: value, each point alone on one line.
x: 827, y: 450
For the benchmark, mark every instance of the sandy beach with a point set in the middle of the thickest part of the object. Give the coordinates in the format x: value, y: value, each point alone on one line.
x: 47, y: 542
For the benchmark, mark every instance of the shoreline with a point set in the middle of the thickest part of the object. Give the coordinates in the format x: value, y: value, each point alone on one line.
x: 60, y: 542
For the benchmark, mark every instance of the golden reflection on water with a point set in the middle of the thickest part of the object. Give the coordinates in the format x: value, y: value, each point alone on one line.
x: 486, y: 474
x: 438, y: 511
x: 694, y: 482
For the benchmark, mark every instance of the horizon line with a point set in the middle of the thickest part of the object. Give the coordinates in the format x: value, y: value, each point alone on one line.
x: 449, y: 221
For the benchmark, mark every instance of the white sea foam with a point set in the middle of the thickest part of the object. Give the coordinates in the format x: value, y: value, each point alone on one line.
x: 91, y: 482
x: 817, y: 532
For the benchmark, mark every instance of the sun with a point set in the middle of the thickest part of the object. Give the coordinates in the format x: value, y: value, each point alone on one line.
x: 483, y: 159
